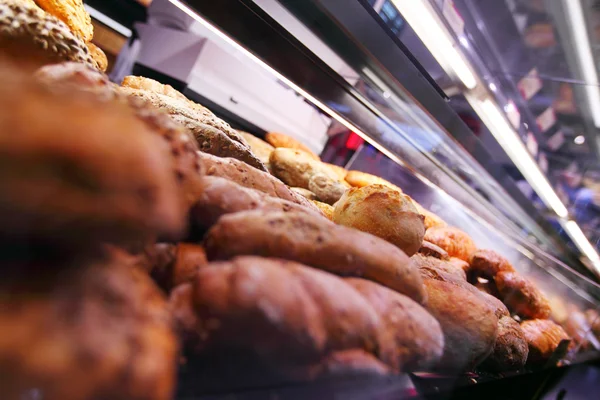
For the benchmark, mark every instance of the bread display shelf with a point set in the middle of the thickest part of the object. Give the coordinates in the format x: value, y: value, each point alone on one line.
x: 150, y: 247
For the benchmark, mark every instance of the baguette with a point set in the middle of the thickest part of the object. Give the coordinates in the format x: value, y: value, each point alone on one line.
x: 220, y: 196
x: 316, y: 242
x: 242, y: 174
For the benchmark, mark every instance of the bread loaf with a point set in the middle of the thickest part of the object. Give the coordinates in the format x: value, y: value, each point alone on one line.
x: 246, y: 176
x: 521, y: 296
x: 431, y: 266
x: 418, y: 337
x: 141, y: 83
x: 305, y: 193
x: 87, y: 332
x: 259, y: 147
x: 294, y: 319
x: 431, y: 220
x: 543, y: 337
x: 362, y: 179
x: 431, y: 250
x: 297, y: 168
x: 382, y: 212
x: 72, y: 13
x: 487, y: 263
x: 456, y: 242
x: 316, y: 242
x: 510, y: 350
x: 325, y: 208
x: 339, y: 171
x: 276, y: 140
x: 220, y: 196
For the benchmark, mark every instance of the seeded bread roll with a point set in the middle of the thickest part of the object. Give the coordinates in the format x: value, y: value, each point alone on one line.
x: 100, y: 331
x: 72, y: 13
x: 259, y: 147
x: 383, y: 212
x: 82, y: 169
x: 316, y: 242
x: 280, y: 140
x: 219, y: 196
x: 522, y: 296
x: 296, y: 168
x: 543, y: 337
x: 242, y: 174
x: 298, y: 321
x: 34, y: 38
x: 510, y: 350
x: 98, y: 56
x: 418, y: 337
x: 456, y: 242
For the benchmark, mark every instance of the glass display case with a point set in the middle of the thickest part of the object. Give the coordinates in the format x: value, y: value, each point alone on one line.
x: 336, y: 77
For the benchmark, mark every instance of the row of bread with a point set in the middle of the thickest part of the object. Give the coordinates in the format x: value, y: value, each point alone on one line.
x: 137, y: 226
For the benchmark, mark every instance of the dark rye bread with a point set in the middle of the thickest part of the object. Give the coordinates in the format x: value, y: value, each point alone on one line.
x: 219, y: 196
x: 417, y: 336
x: 242, y: 174
x: 316, y: 242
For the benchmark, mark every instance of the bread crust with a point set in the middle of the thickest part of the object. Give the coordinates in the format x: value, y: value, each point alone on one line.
x: 72, y: 13
x: 259, y: 147
x: 276, y: 140
x: 488, y: 263
x: 456, y: 242
x: 316, y: 242
x: 325, y: 208
x: 510, y: 350
x: 383, y: 212
x: 522, y: 296
x: 543, y: 337
x: 98, y: 56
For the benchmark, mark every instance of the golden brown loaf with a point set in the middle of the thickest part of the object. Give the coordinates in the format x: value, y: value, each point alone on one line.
x: 305, y: 193
x: 510, y: 350
x: 417, y: 336
x: 219, y: 196
x: 141, y: 83
x: 431, y: 220
x: 325, y: 208
x: 276, y: 140
x: 98, y: 56
x: 522, y: 296
x: 361, y: 179
x: 259, y: 147
x: 316, y: 242
x: 34, y: 38
x: 296, y: 168
x: 456, y: 242
x: 339, y: 171
x: 487, y: 263
x: 383, y: 212
x: 543, y: 337
x: 82, y: 169
x: 293, y: 318
x: 242, y: 174
x: 72, y: 13
x: 97, y: 332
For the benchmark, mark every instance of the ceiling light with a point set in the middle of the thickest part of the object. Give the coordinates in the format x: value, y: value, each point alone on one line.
x: 433, y: 33
x: 506, y: 136
x: 582, y: 243
x: 493, y: 87
x: 583, y: 50
x: 579, y: 139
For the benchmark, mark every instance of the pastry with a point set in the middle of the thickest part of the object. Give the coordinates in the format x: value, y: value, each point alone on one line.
x: 456, y: 242
x: 298, y: 321
x: 99, y: 331
x: 72, y: 13
x: 417, y: 336
x: 249, y: 177
x: 259, y: 147
x: 382, y: 212
x: 280, y: 140
x: 316, y: 242
x: 80, y: 170
x: 430, y: 266
x: 34, y: 38
x: 98, y: 56
x: 325, y: 208
x: 521, y: 296
x: 361, y: 179
x: 543, y: 338
x: 296, y: 168
x: 219, y: 196
x: 487, y: 263
x: 510, y: 350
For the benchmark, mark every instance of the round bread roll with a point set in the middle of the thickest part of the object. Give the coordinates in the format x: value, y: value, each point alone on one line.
x: 98, y: 56
x: 383, y: 212
x: 325, y: 208
x: 276, y: 139
x: 456, y: 242
x: 510, y: 350
x: 72, y: 13
x: 33, y: 37
x: 362, y: 179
